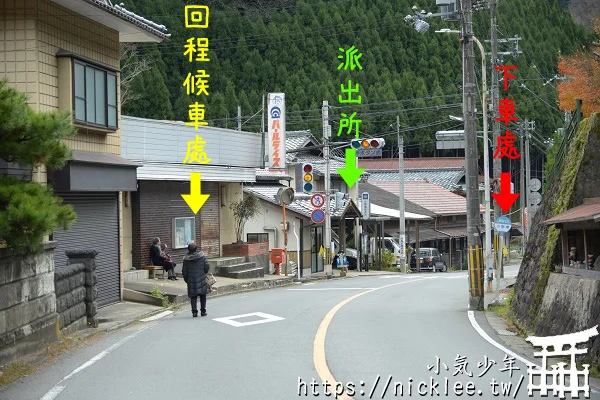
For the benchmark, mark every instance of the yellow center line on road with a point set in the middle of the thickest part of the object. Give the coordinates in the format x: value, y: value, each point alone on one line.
x: 319, y: 357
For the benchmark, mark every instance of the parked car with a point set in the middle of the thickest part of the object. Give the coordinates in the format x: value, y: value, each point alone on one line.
x: 430, y: 258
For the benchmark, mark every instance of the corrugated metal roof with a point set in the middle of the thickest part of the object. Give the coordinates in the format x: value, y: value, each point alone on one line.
x: 301, y: 204
x: 181, y: 172
x: 584, y: 212
x: 427, y: 195
x: 270, y: 175
x: 412, y: 163
x: 446, y: 178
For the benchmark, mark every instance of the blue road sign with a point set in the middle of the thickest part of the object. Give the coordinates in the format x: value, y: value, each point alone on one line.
x: 503, y: 224
x: 317, y: 216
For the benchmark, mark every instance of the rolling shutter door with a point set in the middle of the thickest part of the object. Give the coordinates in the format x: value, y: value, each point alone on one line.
x: 97, y: 228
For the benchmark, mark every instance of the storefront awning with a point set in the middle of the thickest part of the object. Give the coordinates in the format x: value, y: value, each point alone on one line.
x: 95, y: 172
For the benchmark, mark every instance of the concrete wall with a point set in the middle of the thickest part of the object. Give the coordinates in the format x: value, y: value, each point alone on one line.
x: 571, y: 304
x: 69, y: 283
x: 27, y: 302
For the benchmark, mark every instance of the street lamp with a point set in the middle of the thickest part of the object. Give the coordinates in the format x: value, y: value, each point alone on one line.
x: 486, y: 160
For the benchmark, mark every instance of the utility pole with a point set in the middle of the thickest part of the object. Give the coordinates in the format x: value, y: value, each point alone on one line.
x: 476, y: 273
x: 489, y: 257
x: 327, y: 246
x: 527, y: 176
x: 402, y: 221
x: 522, y: 191
x: 262, y: 130
x: 239, y: 118
x: 497, y: 162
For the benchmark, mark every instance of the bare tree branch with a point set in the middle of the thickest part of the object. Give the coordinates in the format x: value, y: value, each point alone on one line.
x: 132, y: 64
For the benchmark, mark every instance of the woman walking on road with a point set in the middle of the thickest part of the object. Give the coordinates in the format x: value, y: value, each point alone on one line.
x: 195, y: 268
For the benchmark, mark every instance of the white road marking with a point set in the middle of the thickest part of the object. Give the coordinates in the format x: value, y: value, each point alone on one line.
x: 396, y: 276
x: 55, y: 391
x: 157, y: 316
x: 58, y: 388
x: 335, y: 288
x: 456, y: 277
x: 496, y: 344
x: 504, y: 349
x: 308, y: 284
x: 264, y: 318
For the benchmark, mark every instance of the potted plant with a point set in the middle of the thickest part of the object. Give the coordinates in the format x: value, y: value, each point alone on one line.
x: 243, y: 211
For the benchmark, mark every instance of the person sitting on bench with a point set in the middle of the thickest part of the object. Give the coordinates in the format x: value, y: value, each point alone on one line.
x: 159, y: 259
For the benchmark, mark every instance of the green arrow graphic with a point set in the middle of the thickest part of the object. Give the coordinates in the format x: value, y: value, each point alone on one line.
x: 350, y: 174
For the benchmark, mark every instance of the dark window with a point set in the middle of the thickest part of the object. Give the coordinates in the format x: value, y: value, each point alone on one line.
x: 257, y: 237
x: 95, y: 95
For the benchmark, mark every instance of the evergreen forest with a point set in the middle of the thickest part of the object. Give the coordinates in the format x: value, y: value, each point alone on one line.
x: 292, y: 46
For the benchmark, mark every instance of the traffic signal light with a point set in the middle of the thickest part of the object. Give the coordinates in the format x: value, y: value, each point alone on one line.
x: 308, y: 184
x: 375, y: 143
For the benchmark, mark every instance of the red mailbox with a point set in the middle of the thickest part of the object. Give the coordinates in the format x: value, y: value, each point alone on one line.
x: 277, y: 256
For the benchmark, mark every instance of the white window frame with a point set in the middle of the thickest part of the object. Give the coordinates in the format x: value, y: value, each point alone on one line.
x: 178, y: 241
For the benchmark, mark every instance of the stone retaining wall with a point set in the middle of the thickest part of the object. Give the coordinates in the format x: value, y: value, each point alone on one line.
x: 70, y: 295
x: 28, y: 315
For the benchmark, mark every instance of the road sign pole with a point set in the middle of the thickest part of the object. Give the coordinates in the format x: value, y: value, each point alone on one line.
x: 285, y: 239
x: 327, y: 246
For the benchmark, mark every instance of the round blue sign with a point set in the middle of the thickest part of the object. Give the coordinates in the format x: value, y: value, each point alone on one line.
x: 503, y: 224
x: 317, y: 216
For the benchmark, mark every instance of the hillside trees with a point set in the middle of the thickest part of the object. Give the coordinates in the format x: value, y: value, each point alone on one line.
x: 260, y: 49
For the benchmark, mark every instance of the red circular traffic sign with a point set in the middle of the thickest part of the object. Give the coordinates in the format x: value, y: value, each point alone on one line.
x: 317, y: 200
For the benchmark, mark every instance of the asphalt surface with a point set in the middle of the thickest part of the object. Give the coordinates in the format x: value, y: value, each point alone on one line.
x: 393, y: 333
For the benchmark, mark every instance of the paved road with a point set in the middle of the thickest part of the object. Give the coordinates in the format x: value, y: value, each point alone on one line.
x: 362, y: 332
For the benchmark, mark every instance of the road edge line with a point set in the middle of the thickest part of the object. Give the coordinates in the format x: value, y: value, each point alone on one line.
x: 58, y: 388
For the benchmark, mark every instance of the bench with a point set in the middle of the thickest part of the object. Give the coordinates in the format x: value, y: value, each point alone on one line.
x: 153, y: 269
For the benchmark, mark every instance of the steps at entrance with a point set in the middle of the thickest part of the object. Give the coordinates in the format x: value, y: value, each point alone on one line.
x: 240, y: 271
x: 222, y: 261
x: 248, y: 273
x: 225, y: 270
x: 235, y: 267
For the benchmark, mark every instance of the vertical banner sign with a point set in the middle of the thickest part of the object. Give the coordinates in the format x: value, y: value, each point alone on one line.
x: 276, y: 129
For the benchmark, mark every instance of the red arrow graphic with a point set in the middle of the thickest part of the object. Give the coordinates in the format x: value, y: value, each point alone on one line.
x: 505, y: 198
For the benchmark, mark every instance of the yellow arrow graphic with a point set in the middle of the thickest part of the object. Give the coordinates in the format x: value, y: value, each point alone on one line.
x: 195, y: 199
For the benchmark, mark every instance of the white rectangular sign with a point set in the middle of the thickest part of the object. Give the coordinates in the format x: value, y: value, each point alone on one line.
x: 276, y: 130
x: 365, y: 205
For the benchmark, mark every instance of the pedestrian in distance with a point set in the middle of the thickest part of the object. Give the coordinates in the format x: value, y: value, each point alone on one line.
x: 195, y: 268
x: 160, y: 259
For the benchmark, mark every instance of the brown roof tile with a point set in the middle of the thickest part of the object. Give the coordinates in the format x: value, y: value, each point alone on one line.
x: 581, y: 213
x: 427, y: 195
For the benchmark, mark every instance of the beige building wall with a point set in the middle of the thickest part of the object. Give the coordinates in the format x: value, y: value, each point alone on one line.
x: 230, y: 192
x: 31, y: 34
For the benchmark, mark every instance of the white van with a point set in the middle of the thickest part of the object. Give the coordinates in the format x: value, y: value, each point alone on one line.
x: 391, y: 244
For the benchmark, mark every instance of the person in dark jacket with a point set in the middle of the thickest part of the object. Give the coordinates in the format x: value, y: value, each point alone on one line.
x: 195, y: 268
x: 159, y: 259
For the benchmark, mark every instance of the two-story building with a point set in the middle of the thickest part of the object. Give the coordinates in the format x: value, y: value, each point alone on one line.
x: 65, y: 54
